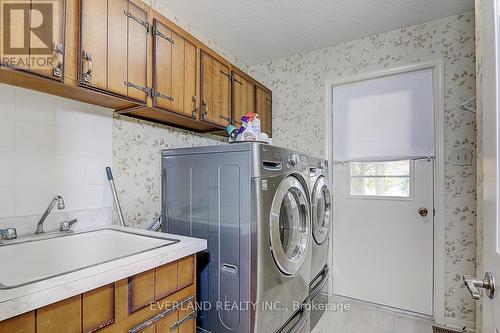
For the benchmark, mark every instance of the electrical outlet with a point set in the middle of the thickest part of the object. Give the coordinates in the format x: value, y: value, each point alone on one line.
x: 462, y: 157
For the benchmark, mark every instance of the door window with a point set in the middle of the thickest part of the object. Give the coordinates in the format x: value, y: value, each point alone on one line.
x: 321, y: 210
x: 289, y: 226
x: 380, y: 179
x: 291, y: 223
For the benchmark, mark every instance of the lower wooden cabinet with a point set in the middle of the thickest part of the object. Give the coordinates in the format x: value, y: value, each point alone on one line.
x: 160, y: 300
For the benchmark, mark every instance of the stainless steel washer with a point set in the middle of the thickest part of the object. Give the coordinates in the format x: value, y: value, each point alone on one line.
x: 252, y: 203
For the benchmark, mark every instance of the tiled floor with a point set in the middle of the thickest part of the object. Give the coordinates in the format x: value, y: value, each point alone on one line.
x: 365, y: 318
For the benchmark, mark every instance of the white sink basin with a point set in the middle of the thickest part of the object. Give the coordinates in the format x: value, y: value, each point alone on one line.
x: 34, y: 261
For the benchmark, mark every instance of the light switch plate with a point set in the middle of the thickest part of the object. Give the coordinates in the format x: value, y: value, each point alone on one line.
x: 463, y: 157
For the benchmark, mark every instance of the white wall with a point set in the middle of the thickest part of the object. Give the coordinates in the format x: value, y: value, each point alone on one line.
x: 48, y: 146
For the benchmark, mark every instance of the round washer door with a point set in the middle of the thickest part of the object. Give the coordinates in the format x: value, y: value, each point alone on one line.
x: 289, y: 226
x: 321, y: 210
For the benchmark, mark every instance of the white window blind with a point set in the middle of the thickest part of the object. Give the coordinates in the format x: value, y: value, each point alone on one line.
x: 383, y: 119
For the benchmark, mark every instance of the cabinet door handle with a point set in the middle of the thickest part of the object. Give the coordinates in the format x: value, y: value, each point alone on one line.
x: 59, y: 58
x: 195, y: 110
x: 205, y: 112
x: 87, y: 75
x: 141, y: 327
x: 187, y: 318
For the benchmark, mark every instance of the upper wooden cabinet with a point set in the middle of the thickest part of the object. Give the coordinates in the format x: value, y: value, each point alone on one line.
x: 174, y: 71
x: 216, y: 82
x: 123, y: 55
x: 264, y: 102
x: 113, y: 48
x: 35, y: 42
x: 243, y: 97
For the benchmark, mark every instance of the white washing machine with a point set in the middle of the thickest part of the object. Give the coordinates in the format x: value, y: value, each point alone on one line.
x: 251, y: 202
x: 321, y: 215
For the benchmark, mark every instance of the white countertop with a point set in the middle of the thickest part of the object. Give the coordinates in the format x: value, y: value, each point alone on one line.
x: 35, y: 295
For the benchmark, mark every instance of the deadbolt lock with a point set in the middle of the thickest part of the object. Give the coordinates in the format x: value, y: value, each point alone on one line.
x: 423, y: 211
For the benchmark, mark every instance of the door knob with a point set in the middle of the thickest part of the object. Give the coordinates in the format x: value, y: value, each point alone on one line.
x: 423, y: 211
x: 473, y: 285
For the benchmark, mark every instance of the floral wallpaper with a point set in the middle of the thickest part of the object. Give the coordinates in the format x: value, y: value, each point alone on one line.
x: 299, y: 112
x: 137, y: 164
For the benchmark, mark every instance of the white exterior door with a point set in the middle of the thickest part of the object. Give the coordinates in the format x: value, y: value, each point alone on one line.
x: 490, y: 194
x: 383, y: 233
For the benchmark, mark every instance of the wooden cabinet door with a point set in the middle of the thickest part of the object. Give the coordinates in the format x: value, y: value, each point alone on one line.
x: 162, y: 65
x: 24, y: 323
x: 94, y: 50
x: 243, y: 97
x: 264, y: 103
x: 174, y: 81
x: 117, y: 46
x: 137, y: 53
x: 215, y: 91
x: 47, y: 63
x: 35, y: 41
x: 114, y: 42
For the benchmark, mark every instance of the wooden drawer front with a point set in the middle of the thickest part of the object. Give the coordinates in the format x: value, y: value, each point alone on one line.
x: 141, y: 290
x: 61, y: 317
x: 24, y: 323
x: 176, y: 313
x: 185, y: 273
x: 167, y: 322
x: 173, y: 277
x: 166, y: 280
x: 98, y: 308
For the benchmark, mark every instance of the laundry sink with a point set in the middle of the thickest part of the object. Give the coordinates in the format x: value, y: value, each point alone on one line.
x: 39, y: 259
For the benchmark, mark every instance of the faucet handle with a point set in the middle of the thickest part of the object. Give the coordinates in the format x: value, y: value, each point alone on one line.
x: 66, y: 225
x: 8, y: 234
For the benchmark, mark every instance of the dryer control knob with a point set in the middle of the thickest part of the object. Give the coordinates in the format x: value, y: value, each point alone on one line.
x: 293, y: 159
x: 322, y: 165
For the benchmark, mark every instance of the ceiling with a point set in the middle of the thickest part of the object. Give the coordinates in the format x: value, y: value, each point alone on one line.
x: 259, y: 30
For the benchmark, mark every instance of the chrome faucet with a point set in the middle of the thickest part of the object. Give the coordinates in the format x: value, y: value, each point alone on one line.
x: 60, y: 206
x: 8, y: 234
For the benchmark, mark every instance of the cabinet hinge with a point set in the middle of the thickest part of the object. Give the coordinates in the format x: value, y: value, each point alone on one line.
x: 158, y: 33
x: 228, y: 119
x: 155, y: 94
x: 145, y: 24
x: 229, y: 76
x: 138, y: 87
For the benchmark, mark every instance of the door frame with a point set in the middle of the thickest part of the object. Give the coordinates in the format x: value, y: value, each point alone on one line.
x: 437, y: 66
